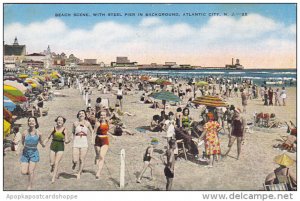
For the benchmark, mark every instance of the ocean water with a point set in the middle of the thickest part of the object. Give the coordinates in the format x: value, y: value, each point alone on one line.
x: 257, y: 75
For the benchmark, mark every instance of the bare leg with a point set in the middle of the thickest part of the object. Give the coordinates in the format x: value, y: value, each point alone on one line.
x: 97, y: 151
x: 58, y: 158
x: 103, y: 152
x: 24, y: 168
x: 239, y: 147
x: 31, y: 169
x: 82, y: 156
x: 52, y: 160
x: 169, y: 184
x: 146, y: 165
x: 232, y: 139
x: 75, y: 157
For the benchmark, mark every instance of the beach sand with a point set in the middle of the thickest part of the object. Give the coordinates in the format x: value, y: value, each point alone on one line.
x: 248, y: 173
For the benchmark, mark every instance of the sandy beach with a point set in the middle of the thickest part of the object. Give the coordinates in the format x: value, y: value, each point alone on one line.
x: 248, y: 173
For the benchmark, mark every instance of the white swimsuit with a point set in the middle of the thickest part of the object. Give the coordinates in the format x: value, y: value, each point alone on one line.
x: 80, y: 137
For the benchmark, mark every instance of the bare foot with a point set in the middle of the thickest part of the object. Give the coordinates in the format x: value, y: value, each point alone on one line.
x: 138, y: 181
x: 78, y: 176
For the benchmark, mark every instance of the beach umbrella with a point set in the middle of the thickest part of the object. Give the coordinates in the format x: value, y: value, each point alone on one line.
x: 15, y: 99
x: 211, y: 101
x: 165, y: 96
x: 144, y: 78
x: 163, y: 82
x: 7, y: 115
x: 284, y: 160
x: 23, y: 76
x: 12, y: 90
x: 153, y: 80
x: 34, y: 83
x: 55, y: 75
x: 16, y: 84
x: 201, y: 83
x: 8, y: 104
x: 6, y: 128
x: 35, y: 73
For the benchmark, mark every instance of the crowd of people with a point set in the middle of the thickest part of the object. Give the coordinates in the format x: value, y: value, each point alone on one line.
x: 99, y: 122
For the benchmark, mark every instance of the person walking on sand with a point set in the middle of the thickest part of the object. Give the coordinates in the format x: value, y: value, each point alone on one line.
x: 170, y: 164
x: 59, y: 137
x: 30, y: 155
x: 148, y: 160
x: 244, y: 100
x: 120, y: 96
x: 277, y: 97
x: 283, y: 96
x: 80, y: 141
x: 237, y: 132
x: 270, y: 95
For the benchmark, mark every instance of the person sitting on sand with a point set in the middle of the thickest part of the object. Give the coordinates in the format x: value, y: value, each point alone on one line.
x: 282, y: 174
x: 186, y: 119
x: 14, y: 144
x: 149, y: 160
x: 290, y: 140
x: 155, y: 126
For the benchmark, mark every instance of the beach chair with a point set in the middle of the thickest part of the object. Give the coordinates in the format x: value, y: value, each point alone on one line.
x: 276, y: 187
x: 181, y: 148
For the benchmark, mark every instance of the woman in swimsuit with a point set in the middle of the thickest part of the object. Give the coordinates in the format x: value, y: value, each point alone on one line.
x: 101, y: 141
x: 30, y: 155
x: 237, y: 132
x: 80, y: 141
x: 59, y: 137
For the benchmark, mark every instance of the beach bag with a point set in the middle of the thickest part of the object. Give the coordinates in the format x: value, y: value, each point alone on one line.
x: 118, y: 130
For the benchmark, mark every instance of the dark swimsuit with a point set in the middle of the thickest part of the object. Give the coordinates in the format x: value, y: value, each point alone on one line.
x: 58, y: 141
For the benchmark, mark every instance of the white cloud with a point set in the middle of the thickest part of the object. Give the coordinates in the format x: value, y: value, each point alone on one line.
x: 153, y: 38
x: 151, y: 21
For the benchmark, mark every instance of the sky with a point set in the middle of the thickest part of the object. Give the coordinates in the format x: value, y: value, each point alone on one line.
x: 264, y: 37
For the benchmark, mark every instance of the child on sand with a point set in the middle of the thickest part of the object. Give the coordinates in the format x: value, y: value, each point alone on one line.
x: 148, y: 160
x: 169, y: 164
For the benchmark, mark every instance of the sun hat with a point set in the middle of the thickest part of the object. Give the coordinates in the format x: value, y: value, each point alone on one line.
x: 284, y: 160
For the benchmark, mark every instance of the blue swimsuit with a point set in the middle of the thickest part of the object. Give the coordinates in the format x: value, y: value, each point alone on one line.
x: 30, y: 151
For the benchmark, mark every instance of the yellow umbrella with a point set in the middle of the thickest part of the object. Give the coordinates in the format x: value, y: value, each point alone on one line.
x: 34, y: 83
x: 23, y: 76
x: 35, y: 72
x: 284, y: 160
x: 6, y: 129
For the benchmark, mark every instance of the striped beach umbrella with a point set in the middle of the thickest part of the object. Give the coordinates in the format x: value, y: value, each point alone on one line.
x: 211, y: 101
x: 15, y: 99
x: 6, y: 128
x: 16, y: 84
x: 12, y: 90
x: 9, y: 104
